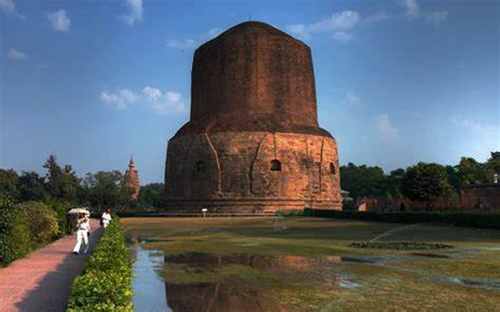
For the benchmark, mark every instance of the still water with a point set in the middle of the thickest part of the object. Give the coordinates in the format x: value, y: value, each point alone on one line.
x: 192, y: 282
x: 205, y: 282
x: 149, y: 287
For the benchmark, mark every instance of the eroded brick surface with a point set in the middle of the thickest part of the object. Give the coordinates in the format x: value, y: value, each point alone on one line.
x: 253, y: 110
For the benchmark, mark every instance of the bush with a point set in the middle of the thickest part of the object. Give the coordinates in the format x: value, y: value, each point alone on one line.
x: 14, y: 232
x: 61, y: 208
x: 42, y: 223
x: 491, y: 221
x: 106, y: 284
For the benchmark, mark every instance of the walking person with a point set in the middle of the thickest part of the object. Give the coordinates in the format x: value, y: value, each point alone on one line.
x: 106, y: 218
x: 82, y: 234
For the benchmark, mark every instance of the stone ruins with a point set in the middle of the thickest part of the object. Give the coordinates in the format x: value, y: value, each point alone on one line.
x: 253, y: 143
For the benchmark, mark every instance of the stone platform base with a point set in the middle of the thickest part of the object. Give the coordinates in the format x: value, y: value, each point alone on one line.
x: 248, y: 206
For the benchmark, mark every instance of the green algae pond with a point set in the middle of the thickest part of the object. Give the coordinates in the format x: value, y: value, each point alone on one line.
x: 311, y: 264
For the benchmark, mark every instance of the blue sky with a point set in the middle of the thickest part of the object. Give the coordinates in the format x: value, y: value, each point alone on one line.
x: 397, y: 81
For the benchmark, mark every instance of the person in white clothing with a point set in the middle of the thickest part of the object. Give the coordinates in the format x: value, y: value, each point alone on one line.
x: 106, y: 218
x: 82, y: 234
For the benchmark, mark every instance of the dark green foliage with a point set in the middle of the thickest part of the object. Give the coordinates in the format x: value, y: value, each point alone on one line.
x: 31, y: 187
x: 393, y: 182
x: 470, y: 171
x: 105, y: 190
x: 106, y: 284
x: 42, y: 222
x: 8, y: 183
x: 425, y: 182
x: 493, y: 164
x: 456, y: 218
x: 14, y: 232
x: 62, y: 183
x: 453, y: 177
x: 362, y: 180
x: 61, y: 207
x: 151, y: 195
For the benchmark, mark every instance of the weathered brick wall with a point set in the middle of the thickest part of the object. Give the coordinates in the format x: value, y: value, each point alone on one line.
x: 485, y: 197
x: 251, y: 70
x: 236, y: 167
x: 253, y: 101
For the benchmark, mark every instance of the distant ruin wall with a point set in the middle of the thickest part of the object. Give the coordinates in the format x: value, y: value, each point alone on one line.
x: 482, y: 197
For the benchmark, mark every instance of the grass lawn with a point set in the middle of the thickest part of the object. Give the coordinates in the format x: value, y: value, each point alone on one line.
x: 307, y: 264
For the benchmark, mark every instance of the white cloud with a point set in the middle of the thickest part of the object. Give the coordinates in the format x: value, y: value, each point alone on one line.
x: 377, y: 17
x: 342, y: 36
x: 385, y: 128
x: 342, y: 21
x: 120, y: 99
x: 339, y: 22
x: 352, y: 99
x: 299, y: 30
x: 436, y: 17
x: 476, y: 126
x: 159, y: 101
x: 170, y: 102
x: 181, y: 44
x: 413, y: 11
x: 135, y: 12
x: 59, y: 20
x: 412, y: 8
x: 8, y: 6
x: 192, y: 43
x: 16, y: 55
x: 152, y: 93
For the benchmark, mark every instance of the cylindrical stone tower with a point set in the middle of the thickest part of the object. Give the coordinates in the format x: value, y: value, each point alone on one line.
x: 253, y: 143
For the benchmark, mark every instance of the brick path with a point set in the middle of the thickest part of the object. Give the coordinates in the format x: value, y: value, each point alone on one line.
x: 42, y: 280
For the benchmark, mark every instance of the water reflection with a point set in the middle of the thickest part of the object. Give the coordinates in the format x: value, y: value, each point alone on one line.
x: 149, y: 288
x: 222, y: 287
x: 205, y: 282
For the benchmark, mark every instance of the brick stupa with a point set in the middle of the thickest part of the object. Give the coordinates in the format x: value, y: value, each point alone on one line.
x: 132, y: 180
x: 253, y: 143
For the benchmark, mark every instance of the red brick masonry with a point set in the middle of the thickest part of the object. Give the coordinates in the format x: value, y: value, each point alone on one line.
x: 253, y: 143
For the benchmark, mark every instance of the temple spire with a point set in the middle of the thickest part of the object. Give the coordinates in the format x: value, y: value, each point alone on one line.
x: 132, y: 179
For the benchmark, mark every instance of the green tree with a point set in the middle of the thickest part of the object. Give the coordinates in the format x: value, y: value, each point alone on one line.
x: 42, y: 222
x: 363, y: 180
x: 425, y: 182
x: 493, y: 165
x: 62, y: 183
x: 104, y: 189
x: 393, y: 182
x: 151, y: 195
x: 8, y: 183
x: 453, y: 177
x: 15, y: 239
x: 471, y: 171
x: 31, y: 186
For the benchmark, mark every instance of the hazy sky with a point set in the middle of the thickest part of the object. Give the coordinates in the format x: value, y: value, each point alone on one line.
x: 398, y: 81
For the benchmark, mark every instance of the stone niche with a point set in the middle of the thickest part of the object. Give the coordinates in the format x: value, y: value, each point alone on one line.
x: 253, y: 143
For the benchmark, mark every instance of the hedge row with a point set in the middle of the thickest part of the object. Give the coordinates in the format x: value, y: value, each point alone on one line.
x: 491, y: 221
x: 25, y: 227
x: 106, y: 284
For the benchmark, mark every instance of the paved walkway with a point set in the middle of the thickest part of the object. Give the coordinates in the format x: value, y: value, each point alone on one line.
x: 42, y: 280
